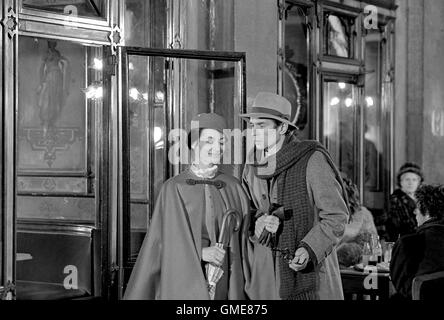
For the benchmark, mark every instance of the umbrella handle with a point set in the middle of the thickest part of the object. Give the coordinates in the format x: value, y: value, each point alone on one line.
x: 225, y: 234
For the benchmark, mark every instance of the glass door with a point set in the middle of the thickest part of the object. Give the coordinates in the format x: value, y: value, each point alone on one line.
x: 162, y: 91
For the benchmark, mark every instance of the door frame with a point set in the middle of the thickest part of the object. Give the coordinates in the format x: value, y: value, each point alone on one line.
x: 8, y: 66
x: 124, y: 173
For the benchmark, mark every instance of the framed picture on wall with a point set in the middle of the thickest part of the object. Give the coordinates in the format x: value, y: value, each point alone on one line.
x: 340, y: 35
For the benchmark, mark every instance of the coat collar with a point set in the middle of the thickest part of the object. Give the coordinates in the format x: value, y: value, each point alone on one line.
x: 431, y: 224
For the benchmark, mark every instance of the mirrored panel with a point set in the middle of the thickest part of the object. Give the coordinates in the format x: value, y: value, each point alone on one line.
x: 340, y: 35
x: 147, y: 134
x: 209, y: 25
x: 376, y: 130
x: 163, y: 95
x: 296, y: 67
x: 146, y: 23
x: 71, y: 8
x: 212, y: 86
x: 340, y: 126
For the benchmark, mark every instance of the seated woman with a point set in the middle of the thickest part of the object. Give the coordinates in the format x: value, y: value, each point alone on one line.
x: 422, y: 252
x: 401, y: 216
x: 186, y: 226
x: 360, y: 227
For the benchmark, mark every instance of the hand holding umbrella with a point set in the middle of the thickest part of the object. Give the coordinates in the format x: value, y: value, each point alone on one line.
x: 215, y: 272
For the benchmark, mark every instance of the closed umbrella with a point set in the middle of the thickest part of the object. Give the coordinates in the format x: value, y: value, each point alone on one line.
x: 214, y: 272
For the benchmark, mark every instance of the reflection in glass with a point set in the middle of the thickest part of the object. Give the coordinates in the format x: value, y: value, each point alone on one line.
x: 147, y: 134
x: 339, y: 128
x: 210, y: 86
x: 73, y: 8
x: 339, y: 36
x: 154, y: 87
x: 376, y: 149
x: 295, y: 69
x: 209, y: 25
x: 146, y: 23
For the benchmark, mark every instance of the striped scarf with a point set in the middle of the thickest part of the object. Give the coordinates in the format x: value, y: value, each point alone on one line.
x: 290, y: 170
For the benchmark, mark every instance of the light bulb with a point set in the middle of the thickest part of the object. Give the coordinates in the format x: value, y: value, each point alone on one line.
x: 134, y: 93
x: 157, y: 135
x: 335, y: 101
x: 98, y: 64
x: 94, y: 91
x: 160, y: 96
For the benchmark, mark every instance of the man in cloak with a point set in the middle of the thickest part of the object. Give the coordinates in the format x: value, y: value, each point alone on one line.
x: 186, y: 224
x: 300, y: 209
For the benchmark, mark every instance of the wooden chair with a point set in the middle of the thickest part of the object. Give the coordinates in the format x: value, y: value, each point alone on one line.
x: 428, y: 287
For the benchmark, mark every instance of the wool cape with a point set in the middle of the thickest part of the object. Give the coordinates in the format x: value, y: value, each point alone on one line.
x: 170, y: 263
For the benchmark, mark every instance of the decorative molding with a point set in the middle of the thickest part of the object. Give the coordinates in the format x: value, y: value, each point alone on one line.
x: 282, y: 9
x: 177, y: 42
x: 51, y: 141
x: 115, y: 38
x: 10, y: 23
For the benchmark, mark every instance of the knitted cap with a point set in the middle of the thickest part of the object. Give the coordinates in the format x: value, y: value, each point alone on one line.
x: 410, y: 167
x: 209, y: 121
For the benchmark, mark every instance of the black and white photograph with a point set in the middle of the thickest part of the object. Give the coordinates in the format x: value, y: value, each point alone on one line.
x: 222, y: 154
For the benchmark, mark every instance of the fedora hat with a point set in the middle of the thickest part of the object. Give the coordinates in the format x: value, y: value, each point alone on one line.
x: 271, y: 106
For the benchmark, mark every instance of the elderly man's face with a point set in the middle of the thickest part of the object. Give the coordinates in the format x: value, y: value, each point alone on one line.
x: 266, y: 133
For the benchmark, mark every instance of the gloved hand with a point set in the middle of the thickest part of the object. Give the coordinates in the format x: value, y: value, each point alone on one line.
x: 269, y: 224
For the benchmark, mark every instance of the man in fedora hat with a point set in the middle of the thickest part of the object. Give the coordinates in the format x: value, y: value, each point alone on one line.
x: 299, y: 209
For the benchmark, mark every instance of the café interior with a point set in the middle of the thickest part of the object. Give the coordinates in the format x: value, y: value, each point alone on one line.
x: 91, y: 89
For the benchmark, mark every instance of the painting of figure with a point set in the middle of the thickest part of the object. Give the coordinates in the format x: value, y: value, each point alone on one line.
x: 54, y: 86
x: 52, y: 110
